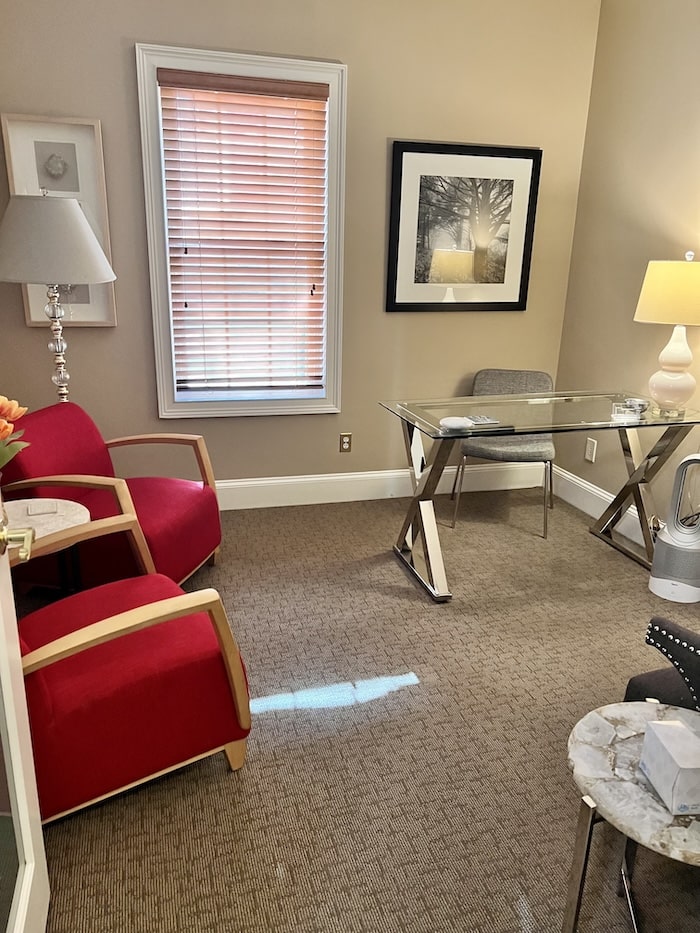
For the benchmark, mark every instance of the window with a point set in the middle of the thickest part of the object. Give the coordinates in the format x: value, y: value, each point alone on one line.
x: 243, y: 169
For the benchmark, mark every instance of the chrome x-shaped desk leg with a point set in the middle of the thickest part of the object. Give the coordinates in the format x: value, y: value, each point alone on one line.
x: 641, y: 469
x: 418, y: 544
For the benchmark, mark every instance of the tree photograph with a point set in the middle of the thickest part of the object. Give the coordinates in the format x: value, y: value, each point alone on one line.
x: 462, y: 230
x: 461, y: 226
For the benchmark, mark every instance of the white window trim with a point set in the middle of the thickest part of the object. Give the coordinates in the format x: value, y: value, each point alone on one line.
x: 148, y: 59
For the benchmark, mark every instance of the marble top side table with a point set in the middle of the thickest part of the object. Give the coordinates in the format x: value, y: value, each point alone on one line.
x: 46, y: 516
x: 604, y: 751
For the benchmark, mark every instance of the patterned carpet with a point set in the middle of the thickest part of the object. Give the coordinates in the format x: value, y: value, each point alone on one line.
x: 425, y: 787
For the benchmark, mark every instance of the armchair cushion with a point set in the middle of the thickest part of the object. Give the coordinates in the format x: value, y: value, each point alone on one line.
x: 113, y: 714
x: 171, y: 512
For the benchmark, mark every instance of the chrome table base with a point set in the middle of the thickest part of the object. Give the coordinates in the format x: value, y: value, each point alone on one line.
x: 641, y: 469
x: 418, y: 544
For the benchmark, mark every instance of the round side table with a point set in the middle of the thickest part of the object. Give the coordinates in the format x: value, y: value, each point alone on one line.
x: 46, y: 516
x: 604, y: 751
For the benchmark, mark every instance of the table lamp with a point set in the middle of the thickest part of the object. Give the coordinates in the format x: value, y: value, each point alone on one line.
x: 671, y: 295
x: 49, y: 241
x: 451, y: 267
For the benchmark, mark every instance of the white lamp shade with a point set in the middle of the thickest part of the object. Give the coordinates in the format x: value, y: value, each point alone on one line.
x: 670, y: 294
x: 49, y: 241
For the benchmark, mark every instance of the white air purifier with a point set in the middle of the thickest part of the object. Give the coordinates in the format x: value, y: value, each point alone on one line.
x: 675, y: 569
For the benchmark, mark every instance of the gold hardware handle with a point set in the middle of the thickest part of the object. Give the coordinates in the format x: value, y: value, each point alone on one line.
x: 17, y: 537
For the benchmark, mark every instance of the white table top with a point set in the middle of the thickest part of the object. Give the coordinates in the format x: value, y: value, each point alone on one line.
x: 604, y: 751
x: 45, y: 516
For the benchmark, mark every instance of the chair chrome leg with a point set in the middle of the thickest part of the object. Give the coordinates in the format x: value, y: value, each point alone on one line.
x: 545, y: 498
x: 459, y: 475
x: 454, y: 484
x: 550, y: 470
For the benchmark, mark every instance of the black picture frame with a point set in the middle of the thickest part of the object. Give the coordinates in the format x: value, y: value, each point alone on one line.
x: 446, y: 252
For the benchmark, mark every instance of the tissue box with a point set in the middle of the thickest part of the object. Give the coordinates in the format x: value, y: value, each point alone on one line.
x: 671, y: 762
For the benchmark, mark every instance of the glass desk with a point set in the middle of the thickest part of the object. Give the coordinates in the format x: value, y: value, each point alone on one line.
x: 418, y: 544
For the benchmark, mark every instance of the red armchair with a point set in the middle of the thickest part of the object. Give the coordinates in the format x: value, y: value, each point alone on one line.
x: 179, y: 526
x: 126, y: 682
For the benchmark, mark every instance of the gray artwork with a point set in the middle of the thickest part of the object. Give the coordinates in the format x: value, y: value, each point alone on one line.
x: 56, y: 166
x: 463, y: 227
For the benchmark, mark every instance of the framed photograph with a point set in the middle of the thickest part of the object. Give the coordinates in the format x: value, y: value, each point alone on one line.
x: 461, y: 226
x: 62, y: 155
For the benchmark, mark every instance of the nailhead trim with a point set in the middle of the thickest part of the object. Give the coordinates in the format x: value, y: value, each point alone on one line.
x: 657, y: 644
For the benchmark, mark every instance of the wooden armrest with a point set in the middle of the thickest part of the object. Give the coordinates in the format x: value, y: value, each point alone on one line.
x: 87, y: 530
x: 124, y: 623
x: 195, y: 441
x: 67, y: 537
x: 82, y: 480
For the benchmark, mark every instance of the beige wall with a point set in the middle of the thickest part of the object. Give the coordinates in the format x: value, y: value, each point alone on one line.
x: 511, y: 73
x: 639, y: 200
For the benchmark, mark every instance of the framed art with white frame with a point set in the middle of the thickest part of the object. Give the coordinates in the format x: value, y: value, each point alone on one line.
x: 461, y: 226
x: 63, y: 156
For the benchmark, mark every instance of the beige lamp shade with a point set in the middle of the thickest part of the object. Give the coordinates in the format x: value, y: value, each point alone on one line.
x: 49, y: 241
x: 452, y: 266
x: 670, y: 294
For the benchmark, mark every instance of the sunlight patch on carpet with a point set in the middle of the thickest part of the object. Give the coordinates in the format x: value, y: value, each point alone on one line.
x: 342, y: 694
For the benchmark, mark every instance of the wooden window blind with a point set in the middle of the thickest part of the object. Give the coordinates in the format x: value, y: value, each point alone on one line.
x: 246, y: 202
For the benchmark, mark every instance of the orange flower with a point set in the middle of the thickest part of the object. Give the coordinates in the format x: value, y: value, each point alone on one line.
x: 10, y: 443
x: 10, y: 409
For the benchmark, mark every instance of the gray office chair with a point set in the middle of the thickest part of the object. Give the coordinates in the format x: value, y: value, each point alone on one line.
x: 523, y: 448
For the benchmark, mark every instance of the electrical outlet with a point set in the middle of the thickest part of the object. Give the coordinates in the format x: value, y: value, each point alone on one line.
x: 591, y: 448
x: 345, y: 445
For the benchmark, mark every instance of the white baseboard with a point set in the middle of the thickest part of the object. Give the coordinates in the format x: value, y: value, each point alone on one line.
x: 265, y: 492
x: 593, y: 501
x: 268, y: 492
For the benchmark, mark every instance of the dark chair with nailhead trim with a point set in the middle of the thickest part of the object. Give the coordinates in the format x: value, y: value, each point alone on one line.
x: 678, y: 685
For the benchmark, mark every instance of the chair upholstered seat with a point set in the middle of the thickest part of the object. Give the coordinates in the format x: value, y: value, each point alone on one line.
x: 665, y: 685
x: 115, y: 713
x: 170, y: 511
x: 524, y: 449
